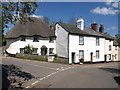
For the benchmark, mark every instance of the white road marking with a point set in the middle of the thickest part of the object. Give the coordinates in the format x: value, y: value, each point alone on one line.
x: 35, y: 82
x: 42, y: 66
x: 27, y: 87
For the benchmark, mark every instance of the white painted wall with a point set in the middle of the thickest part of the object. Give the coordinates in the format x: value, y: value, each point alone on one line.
x: 88, y: 47
x: 61, y: 41
x: 106, y: 48
x: 15, y: 45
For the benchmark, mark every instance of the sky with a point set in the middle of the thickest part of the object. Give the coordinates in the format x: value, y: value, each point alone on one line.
x: 105, y: 13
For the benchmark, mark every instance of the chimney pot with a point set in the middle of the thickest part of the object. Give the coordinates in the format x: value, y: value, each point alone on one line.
x: 101, y: 29
x: 94, y: 26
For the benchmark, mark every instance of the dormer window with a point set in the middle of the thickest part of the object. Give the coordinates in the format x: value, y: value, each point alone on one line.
x: 35, y: 39
x: 22, y: 38
x: 51, y: 39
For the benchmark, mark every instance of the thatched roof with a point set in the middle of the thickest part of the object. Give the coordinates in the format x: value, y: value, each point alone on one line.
x: 30, y: 28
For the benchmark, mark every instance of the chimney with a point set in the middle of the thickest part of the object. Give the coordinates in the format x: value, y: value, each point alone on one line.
x: 52, y: 27
x: 94, y: 26
x: 101, y: 29
x: 80, y: 23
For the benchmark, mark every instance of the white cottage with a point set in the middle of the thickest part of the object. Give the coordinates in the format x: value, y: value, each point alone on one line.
x: 34, y: 32
x: 76, y: 42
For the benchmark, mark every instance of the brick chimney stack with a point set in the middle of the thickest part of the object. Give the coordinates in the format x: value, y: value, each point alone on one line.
x: 94, y: 26
x: 101, y: 29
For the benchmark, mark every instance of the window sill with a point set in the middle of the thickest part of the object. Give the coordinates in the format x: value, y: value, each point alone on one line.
x: 81, y: 44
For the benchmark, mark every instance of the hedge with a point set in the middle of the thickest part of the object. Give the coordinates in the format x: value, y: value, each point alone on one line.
x: 32, y: 57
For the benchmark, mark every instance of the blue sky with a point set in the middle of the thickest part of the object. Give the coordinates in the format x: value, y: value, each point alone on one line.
x: 100, y: 12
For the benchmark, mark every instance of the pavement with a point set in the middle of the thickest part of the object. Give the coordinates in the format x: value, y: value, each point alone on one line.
x: 54, y: 75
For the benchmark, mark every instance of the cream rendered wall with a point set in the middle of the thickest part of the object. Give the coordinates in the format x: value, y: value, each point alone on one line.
x: 88, y: 47
x: 106, y: 48
x: 115, y: 51
x: 14, y: 46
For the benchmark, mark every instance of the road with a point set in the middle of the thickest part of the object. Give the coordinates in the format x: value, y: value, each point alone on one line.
x: 53, y: 75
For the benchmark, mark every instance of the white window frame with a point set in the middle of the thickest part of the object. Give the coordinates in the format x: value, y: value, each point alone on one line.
x: 81, y: 40
x: 97, y: 54
x: 81, y: 54
x: 22, y: 50
x: 34, y: 50
x: 97, y: 41
x: 51, y: 50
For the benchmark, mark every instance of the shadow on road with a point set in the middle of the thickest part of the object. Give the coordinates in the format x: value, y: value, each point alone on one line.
x: 13, y: 77
x: 111, y: 70
x: 117, y: 79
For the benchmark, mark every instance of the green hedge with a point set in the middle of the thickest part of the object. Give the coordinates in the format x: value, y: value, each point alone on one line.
x: 32, y: 57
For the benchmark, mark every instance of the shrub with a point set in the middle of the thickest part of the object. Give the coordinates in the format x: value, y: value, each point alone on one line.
x: 28, y: 49
x: 81, y: 60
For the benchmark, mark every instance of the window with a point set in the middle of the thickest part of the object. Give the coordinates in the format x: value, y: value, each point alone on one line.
x: 81, y: 40
x: 22, y: 50
x: 109, y: 56
x: 115, y: 47
x: 110, y: 48
x: 35, y: 39
x: 81, y: 54
x: 51, y: 39
x: 34, y: 50
x: 115, y: 56
x: 97, y: 42
x: 97, y: 54
x: 109, y: 40
x: 22, y: 38
x: 51, y: 50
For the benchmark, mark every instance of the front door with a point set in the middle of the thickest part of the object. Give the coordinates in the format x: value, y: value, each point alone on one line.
x: 91, y: 57
x: 105, y: 58
x: 73, y: 57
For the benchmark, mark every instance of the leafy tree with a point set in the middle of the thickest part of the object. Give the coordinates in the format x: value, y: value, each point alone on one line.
x: 16, y: 11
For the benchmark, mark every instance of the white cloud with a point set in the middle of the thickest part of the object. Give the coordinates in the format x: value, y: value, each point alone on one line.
x: 104, y: 11
x: 37, y: 16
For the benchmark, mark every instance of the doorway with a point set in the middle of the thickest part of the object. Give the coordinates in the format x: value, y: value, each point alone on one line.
x: 73, y: 57
x: 91, y: 57
x: 105, y: 57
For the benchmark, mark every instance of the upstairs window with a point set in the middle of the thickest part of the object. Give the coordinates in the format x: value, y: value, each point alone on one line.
x: 97, y: 42
x: 81, y: 40
x: 115, y: 47
x: 51, y: 50
x: 22, y: 38
x: 110, y: 48
x: 51, y: 39
x: 97, y: 54
x: 35, y: 39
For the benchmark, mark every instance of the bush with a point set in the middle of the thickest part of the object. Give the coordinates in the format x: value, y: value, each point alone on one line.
x: 32, y: 57
x: 81, y: 60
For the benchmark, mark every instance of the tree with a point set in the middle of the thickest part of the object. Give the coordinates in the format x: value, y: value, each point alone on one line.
x: 72, y: 21
x: 16, y: 11
x: 46, y: 20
